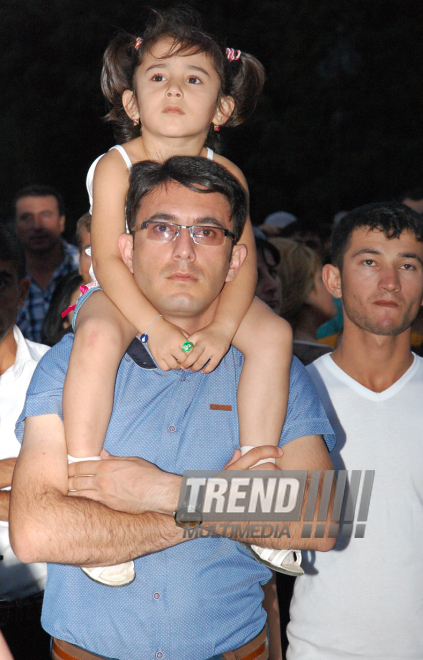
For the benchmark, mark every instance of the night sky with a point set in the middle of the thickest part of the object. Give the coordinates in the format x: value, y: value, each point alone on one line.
x: 339, y: 123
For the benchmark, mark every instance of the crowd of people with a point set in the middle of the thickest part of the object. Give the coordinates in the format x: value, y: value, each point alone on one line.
x: 175, y: 336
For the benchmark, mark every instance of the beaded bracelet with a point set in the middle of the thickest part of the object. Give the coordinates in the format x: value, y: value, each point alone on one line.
x: 144, y: 337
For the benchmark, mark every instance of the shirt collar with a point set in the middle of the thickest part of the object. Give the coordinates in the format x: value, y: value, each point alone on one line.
x: 22, y: 357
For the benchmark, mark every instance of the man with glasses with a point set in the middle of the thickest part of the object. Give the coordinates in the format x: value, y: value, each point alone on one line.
x: 191, y: 599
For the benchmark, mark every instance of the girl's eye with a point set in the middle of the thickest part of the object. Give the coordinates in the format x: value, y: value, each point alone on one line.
x: 368, y: 262
x: 194, y: 80
x: 158, y: 77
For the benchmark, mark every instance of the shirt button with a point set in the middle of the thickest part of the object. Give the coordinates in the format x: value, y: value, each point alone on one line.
x: 171, y: 429
x: 156, y: 595
x: 159, y: 655
x: 182, y: 379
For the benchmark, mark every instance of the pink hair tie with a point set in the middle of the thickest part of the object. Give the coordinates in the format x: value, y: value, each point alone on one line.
x: 230, y: 54
x: 138, y: 42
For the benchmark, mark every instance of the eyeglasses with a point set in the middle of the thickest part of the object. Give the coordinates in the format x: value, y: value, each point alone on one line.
x: 165, y: 232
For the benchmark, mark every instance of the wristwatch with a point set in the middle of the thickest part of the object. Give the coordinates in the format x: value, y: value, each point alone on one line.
x: 184, y: 519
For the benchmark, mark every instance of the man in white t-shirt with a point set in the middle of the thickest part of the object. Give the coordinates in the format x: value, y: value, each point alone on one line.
x: 21, y: 586
x: 364, y: 599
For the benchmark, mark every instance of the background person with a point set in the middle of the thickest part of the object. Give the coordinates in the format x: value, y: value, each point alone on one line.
x: 364, y: 599
x: 306, y: 303
x: 21, y: 586
x: 39, y: 220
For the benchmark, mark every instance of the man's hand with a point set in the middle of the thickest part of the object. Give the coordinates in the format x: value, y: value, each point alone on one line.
x: 128, y: 484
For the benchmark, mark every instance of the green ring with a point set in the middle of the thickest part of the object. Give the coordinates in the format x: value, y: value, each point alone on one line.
x: 187, y: 346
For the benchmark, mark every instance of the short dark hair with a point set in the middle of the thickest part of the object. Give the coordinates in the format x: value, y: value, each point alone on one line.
x: 12, y: 251
x: 262, y: 246
x: 39, y: 191
x: 391, y: 218
x: 192, y: 172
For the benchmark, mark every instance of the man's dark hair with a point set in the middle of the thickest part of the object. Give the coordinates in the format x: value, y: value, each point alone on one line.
x: 39, y: 191
x: 192, y: 172
x: 11, y: 251
x: 263, y: 246
x: 389, y: 217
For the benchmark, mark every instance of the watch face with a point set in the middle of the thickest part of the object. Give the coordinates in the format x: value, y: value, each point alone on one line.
x: 185, y: 518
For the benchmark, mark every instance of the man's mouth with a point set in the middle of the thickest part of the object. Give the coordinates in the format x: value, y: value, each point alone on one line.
x: 386, y: 303
x: 182, y: 277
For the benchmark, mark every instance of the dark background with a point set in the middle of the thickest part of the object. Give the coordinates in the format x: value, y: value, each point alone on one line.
x: 339, y: 123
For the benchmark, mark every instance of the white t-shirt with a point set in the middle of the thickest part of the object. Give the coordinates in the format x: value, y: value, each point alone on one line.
x: 17, y: 580
x: 364, y: 599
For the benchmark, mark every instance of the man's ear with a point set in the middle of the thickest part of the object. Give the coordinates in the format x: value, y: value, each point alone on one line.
x: 130, y: 105
x: 126, y: 248
x: 331, y: 277
x: 224, y: 111
x: 62, y: 220
x: 24, y: 285
x: 239, y: 254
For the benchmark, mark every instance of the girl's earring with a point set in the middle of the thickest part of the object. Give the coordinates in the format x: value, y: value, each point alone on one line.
x: 217, y: 128
x: 136, y: 122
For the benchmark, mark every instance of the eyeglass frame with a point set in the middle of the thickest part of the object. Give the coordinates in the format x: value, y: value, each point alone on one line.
x: 226, y: 232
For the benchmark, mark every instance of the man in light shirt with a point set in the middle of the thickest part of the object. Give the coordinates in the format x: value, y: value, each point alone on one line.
x: 363, y: 600
x: 21, y: 586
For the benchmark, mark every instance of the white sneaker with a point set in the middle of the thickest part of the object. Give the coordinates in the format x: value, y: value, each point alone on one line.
x: 282, y: 561
x: 112, y: 576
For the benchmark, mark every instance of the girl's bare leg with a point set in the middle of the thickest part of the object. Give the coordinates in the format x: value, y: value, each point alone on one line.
x: 101, y: 339
x: 265, y: 339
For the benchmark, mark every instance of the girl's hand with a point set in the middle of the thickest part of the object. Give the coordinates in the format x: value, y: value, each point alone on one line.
x: 210, y: 345
x: 165, y: 343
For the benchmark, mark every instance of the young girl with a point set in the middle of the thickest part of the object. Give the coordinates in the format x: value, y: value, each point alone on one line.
x: 169, y: 94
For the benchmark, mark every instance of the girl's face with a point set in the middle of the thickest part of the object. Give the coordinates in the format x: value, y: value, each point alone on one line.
x: 176, y: 96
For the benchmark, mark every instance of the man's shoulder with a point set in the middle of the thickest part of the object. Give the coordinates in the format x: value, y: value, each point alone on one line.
x: 53, y: 362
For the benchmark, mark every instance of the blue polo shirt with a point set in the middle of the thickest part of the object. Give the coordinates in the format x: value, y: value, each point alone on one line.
x: 199, y: 598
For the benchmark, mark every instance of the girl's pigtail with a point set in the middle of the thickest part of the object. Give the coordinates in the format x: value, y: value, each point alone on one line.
x: 120, y: 60
x: 246, y: 79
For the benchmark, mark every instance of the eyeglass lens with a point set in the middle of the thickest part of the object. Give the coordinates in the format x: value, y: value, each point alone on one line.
x: 166, y: 231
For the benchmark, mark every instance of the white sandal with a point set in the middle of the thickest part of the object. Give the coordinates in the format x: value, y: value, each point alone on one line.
x: 276, y: 560
x: 108, y: 575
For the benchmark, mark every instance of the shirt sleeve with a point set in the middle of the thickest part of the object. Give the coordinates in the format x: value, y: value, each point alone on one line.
x: 305, y: 414
x: 44, y: 395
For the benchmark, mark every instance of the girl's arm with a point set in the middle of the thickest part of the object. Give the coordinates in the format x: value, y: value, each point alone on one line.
x: 110, y: 186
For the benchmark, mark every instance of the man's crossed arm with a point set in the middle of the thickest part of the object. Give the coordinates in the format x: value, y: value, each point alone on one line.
x: 124, y: 510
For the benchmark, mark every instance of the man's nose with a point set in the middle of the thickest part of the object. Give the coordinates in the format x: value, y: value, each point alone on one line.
x: 37, y: 221
x: 184, y: 246
x: 389, y: 280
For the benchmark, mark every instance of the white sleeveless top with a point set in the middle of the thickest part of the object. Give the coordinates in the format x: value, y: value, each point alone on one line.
x: 90, y: 179
x: 123, y: 153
